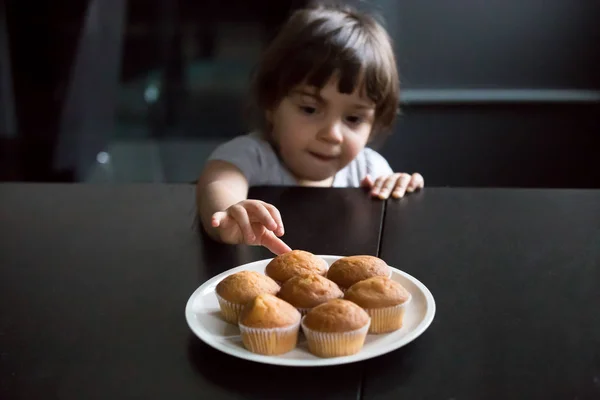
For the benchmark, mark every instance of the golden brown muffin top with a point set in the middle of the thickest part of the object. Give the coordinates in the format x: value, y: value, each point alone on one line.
x: 377, y: 292
x: 309, y: 290
x: 349, y: 270
x: 336, y: 316
x: 268, y: 311
x: 243, y: 286
x: 295, y: 262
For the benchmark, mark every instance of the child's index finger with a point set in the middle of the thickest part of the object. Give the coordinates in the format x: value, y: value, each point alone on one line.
x: 274, y: 244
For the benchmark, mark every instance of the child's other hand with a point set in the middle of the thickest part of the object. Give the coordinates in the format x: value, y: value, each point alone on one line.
x: 396, y: 184
x: 252, y: 222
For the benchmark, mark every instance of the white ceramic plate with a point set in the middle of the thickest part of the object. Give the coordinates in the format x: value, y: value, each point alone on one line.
x: 204, y: 318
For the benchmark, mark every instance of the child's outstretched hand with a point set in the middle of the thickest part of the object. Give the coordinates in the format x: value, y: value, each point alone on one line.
x: 252, y: 222
x: 396, y: 185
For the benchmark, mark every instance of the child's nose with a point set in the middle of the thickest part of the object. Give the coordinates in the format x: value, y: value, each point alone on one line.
x: 332, y: 132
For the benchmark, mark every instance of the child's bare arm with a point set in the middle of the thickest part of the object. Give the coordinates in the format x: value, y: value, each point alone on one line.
x: 220, y: 186
x: 227, y: 215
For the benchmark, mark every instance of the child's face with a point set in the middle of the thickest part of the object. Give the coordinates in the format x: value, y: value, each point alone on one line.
x: 319, y: 133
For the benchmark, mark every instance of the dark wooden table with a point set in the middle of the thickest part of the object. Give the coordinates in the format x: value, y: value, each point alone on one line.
x: 94, y: 281
x: 516, y: 278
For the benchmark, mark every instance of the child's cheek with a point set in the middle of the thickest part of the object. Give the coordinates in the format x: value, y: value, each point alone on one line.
x: 350, y: 153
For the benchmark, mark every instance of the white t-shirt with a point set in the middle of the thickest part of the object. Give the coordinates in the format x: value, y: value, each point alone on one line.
x: 261, y: 166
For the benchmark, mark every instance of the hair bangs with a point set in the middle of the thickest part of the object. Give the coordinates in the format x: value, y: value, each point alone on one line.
x: 317, y: 45
x: 344, y: 53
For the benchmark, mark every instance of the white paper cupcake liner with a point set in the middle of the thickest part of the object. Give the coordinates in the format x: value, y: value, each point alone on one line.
x: 387, y: 319
x: 270, y: 341
x: 335, y: 344
x: 230, y: 311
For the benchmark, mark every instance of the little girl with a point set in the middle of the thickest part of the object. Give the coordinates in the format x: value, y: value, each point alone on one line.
x: 326, y: 86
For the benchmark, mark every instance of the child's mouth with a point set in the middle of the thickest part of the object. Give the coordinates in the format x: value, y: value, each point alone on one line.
x: 322, y: 157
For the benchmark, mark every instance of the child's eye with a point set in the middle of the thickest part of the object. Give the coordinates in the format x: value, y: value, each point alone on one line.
x: 308, y: 110
x: 354, y: 120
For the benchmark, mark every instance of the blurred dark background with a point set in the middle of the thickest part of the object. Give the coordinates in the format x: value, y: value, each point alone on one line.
x: 496, y: 93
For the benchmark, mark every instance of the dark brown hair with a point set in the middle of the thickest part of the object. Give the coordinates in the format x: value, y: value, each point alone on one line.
x: 316, y: 43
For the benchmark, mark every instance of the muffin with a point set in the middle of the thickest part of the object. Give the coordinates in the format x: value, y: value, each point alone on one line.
x: 269, y: 325
x: 234, y: 291
x: 309, y: 290
x: 349, y: 270
x: 383, y: 299
x: 295, y: 262
x: 336, y: 328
